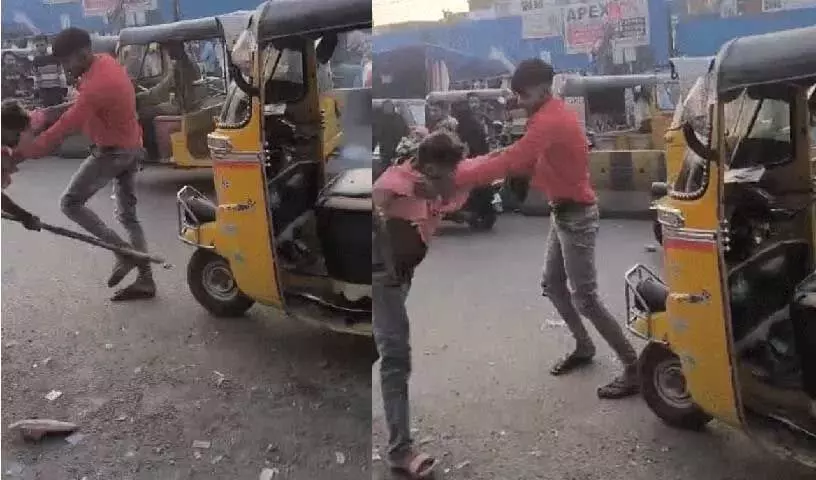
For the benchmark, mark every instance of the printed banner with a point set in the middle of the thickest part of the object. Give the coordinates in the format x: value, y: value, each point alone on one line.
x: 624, y: 23
x: 540, y: 19
x: 780, y: 5
x: 98, y: 8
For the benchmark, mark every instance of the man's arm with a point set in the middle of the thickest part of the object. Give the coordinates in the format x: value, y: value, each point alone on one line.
x: 517, y: 159
x: 158, y: 93
x: 72, y: 120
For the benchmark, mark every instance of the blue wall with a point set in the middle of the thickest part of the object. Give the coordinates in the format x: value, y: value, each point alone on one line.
x: 477, y: 37
x: 703, y: 35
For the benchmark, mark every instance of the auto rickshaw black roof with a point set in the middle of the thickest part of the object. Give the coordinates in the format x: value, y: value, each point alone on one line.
x: 788, y: 56
x: 185, y: 30
x: 311, y: 18
x: 579, y: 86
x: 104, y: 43
x: 461, y: 95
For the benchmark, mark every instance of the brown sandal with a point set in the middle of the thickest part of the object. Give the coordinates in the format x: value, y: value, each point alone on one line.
x: 415, y: 465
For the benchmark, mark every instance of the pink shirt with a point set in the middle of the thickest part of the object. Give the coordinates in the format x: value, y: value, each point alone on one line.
x: 105, y: 111
x: 394, y: 193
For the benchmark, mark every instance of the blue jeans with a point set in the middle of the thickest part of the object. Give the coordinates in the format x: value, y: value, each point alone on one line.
x: 392, y: 337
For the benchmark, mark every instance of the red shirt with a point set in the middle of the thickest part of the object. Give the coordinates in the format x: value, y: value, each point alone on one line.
x: 553, y: 152
x: 105, y: 111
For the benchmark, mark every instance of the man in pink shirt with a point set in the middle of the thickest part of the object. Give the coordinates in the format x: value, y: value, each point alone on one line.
x: 554, y: 153
x: 105, y: 111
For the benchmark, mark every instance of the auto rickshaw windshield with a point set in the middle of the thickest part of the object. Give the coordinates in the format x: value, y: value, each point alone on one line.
x: 694, y: 109
x: 758, y: 119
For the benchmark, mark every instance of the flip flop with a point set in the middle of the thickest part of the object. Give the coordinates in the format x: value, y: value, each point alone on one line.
x: 571, y: 362
x: 133, y: 293
x: 415, y: 465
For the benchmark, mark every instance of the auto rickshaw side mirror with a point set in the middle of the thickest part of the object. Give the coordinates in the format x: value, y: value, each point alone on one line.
x: 695, y: 145
x: 659, y: 189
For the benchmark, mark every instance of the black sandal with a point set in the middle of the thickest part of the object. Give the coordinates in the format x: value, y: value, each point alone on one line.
x: 620, y: 387
x: 134, y: 292
x: 571, y: 362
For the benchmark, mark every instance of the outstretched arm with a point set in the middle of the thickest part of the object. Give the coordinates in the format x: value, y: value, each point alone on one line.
x: 517, y: 159
x: 71, y: 121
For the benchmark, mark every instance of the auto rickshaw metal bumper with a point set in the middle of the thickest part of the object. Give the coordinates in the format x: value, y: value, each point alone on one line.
x: 195, y: 218
x: 646, y: 296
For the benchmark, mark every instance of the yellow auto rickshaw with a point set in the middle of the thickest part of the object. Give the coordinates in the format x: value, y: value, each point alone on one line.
x: 282, y: 232
x: 731, y: 324
x: 177, y: 120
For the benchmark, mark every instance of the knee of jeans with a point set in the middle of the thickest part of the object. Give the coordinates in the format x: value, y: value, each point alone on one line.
x: 126, y: 217
x: 585, y: 302
x: 554, y: 287
x: 68, y: 203
x: 393, y: 349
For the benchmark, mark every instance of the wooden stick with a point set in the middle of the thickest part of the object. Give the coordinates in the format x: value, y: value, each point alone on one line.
x: 64, y: 232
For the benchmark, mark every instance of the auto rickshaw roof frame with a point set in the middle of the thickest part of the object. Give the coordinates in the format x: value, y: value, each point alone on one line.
x: 185, y: 30
x: 311, y: 18
x: 450, y: 96
x: 580, y: 86
x: 788, y: 56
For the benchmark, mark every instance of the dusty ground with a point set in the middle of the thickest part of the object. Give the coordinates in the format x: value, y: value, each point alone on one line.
x: 483, y: 400
x: 146, y: 380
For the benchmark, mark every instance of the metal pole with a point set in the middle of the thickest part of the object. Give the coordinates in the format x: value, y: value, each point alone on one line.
x: 176, y: 10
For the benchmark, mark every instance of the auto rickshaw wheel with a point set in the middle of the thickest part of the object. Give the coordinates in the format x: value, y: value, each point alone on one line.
x: 663, y: 386
x: 212, y: 284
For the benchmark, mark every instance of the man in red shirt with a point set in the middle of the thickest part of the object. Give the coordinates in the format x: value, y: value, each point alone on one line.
x: 554, y: 153
x: 105, y: 111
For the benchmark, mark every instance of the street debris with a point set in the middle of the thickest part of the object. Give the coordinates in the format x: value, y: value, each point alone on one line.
x: 75, y: 438
x: 197, y: 454
x: 425, y: 441
x: 108, y: 346
x: 216, y: 459
x: 137, y: 370
x: 375, y: 455
x: 651, y: 247
x: 553, y: 323
x: 462, y: 465
x: 202, y: 444
x: 46, y: 362
x: 220, y: 378
x: 340, y: 458
x: 36, y: 429
x: 269, y: 473
x: 53, y: 395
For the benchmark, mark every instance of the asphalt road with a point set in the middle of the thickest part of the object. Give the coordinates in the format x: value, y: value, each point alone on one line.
x: 483, y: 402
x: 146, y: 380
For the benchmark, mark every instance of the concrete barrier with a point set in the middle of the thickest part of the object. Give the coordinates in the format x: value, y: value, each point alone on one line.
x: 621, y: 178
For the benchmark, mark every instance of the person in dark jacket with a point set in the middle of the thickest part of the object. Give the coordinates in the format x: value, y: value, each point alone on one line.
x: 472, y: 129
x: 390, y: 129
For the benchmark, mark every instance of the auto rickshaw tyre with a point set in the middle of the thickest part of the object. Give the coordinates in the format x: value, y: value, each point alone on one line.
x: 658, y: 232
x: 483, y: 222
x: 233, y: 303
x: 656, y: 362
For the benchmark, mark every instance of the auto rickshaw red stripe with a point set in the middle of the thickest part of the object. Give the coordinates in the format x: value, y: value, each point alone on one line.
x: 689, y: 244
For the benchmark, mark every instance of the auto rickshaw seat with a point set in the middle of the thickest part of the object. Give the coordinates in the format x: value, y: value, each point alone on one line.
x: 654, y: 293
x: 203, y: 209
x: 765, y: 283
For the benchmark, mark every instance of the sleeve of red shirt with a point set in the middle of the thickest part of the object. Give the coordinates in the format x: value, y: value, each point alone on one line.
x: 517, y: 159
x: 71, y: 121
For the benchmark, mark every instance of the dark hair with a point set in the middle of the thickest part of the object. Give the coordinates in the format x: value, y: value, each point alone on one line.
x: 70, y: 41
x: 440, y: 148
x: 531, y: 73
x: 14, y: 116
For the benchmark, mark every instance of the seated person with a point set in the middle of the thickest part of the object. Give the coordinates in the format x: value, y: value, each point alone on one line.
x: 156, y: 101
